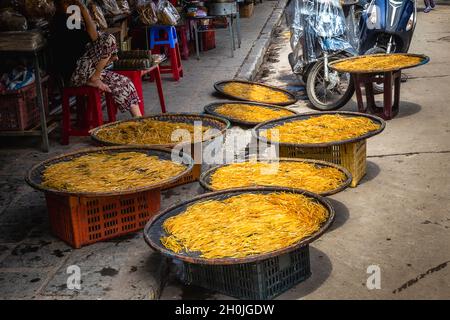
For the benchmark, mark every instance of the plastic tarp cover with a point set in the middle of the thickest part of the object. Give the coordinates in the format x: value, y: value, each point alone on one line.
x: 317, y: 26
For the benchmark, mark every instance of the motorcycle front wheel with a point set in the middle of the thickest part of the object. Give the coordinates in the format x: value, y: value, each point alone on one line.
x: 332, y: 94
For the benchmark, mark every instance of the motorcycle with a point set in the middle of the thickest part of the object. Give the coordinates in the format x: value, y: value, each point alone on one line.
x: 387, y: 26
x: 320, y: 35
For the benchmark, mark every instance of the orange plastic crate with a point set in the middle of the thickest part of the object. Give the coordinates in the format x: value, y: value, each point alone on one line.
x: 190, y: 178
x: 81, y: 221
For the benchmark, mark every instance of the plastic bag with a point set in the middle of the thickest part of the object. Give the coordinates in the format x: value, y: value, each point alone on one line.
x: 147, y: 12
x: 36, y: 9
x: 11, y: 20
x: 167, y: 13
x: 18, y: 78
x: 97, y: 15
x: 110, y: 7
x: 316, y: 26
x: 124, y: 6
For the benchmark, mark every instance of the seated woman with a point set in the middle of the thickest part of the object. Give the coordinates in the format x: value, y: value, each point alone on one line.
x: 81, y: 56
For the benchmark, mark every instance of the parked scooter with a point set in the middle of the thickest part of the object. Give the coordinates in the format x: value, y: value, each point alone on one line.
x: 319, y: 35
x: 387, y: 26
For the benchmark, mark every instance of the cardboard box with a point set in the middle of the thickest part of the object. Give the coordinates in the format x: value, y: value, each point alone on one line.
x: 246, y: 10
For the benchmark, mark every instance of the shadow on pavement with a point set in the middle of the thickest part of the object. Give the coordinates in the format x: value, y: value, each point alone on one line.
x: 342, y: 214
x: 408, y: 109
x: 373, y: 170
x: 321, y: 268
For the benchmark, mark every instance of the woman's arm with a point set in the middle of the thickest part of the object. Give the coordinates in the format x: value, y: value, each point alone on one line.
x: 91, y: 28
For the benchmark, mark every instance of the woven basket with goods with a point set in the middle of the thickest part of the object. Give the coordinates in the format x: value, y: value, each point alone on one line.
x: 239, y: 226
x: 132, y: 64
x: 337, y: 137
x: 378, y: 63
x: 312, y: 175
x: 157, y: 130
x: 255, y: 92
x: 98, y: 194
x: 247, y: 114
x: 246, y: 243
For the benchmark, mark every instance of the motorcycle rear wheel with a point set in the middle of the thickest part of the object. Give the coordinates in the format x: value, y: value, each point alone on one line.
x: 318, y: 91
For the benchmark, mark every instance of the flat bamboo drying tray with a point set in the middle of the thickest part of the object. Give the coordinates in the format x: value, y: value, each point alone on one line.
x: 219, y: 88
x: 424, y: 59
x: 205, y: 179
x: 211, y: 109
x: 154, y: 229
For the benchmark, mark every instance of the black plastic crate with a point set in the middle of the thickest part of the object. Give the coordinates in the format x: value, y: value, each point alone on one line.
x: 261, y: 280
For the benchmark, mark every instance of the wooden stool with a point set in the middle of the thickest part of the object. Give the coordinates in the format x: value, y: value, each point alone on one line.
x: 390, y: 106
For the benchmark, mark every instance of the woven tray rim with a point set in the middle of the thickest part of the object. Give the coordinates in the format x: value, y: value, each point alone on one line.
x: 38, y: 168
x: 218, y: 87
x: 205, y: 177
x: 425, y: 59
x: 211, y: 109
x: 100, y: 141
x: 233, y: 261
x: 304, y: 116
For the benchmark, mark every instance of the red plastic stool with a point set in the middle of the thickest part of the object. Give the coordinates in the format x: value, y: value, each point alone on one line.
x: 182, y: 31
x: 89, y: 111
x: 136, y: 77
x: 175, y: 68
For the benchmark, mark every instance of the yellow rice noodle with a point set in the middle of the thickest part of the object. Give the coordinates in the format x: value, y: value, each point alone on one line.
x: 255, y: 92
x: 250, y: 113
x: 145, y: 132
x: 321, y: 129
x: 244, y: 225
x: 101, y: 172
x: 377, y: 63
x: 297, y: 175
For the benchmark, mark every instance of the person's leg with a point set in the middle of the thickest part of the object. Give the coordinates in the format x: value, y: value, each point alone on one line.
x: 432, y: 4
x: 90, y: 66
x: 427, y: 6
x: 123, y: 91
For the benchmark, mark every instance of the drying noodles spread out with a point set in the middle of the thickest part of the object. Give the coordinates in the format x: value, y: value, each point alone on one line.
x: 321, y: 129
x: 252, y: 113
x: 255, y: 92
x: 244, y: 225
x: 102, y: 172
x: 147, y: 132
x: 292, y: 174
x: 378, y: 63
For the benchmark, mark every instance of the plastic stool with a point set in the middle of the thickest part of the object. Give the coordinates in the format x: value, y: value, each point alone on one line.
x: 169, y: 41
x: 182, y: 31
x: 89, y: 111
x: 169, y: 38
x: 136, y: 77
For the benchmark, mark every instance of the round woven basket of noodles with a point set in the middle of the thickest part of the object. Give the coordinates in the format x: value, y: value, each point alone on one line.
x: 217, y: 124
x: 36, y: 175
x: 379, y: 63
x: 376, y: 125
x: 333, y: 179
x: 221, y: 87
x: 320, y: 213
x: 273, y: 112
